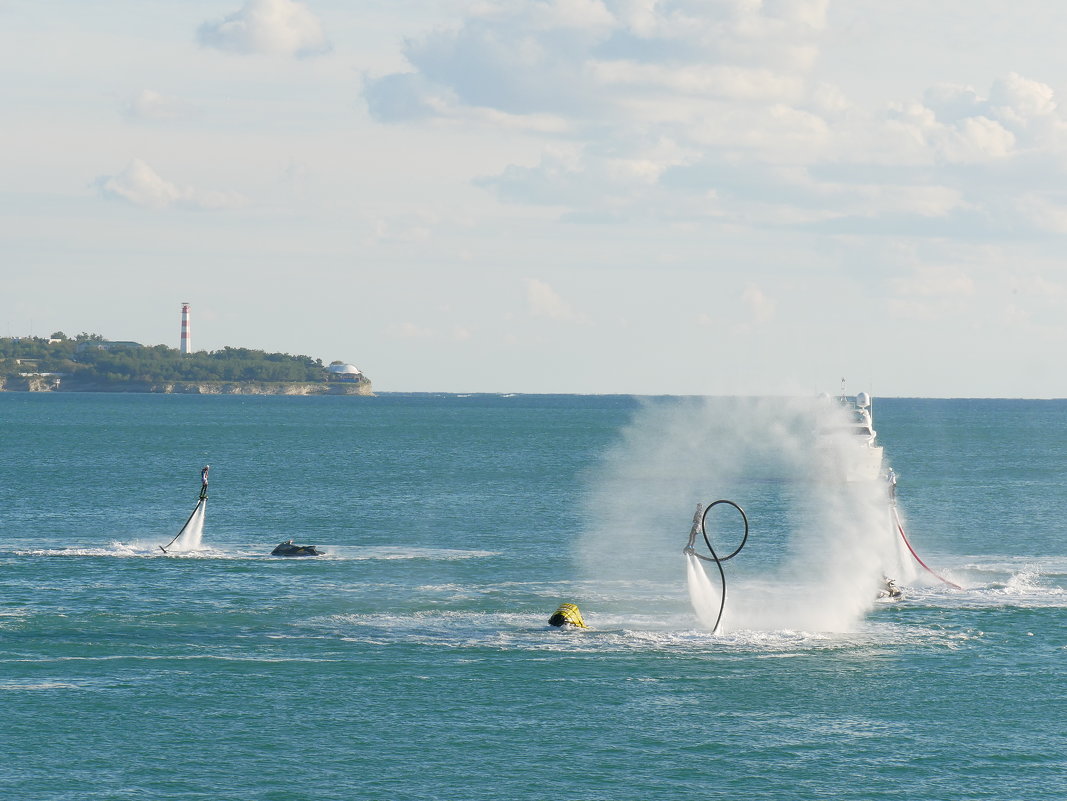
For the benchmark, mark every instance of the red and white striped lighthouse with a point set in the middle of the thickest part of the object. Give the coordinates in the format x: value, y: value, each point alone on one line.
x: 186, y: 343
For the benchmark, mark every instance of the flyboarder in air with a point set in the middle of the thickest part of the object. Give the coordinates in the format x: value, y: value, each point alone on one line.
x: 194, y: 526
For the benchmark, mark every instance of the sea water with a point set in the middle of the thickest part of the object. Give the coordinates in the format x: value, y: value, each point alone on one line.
x: 413, y: 661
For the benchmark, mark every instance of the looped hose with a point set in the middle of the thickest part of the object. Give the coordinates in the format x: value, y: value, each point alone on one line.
x: 704, y: 530
x: 700, y: 524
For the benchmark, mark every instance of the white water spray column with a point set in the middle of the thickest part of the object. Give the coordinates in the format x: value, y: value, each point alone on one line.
x: 186, y: 346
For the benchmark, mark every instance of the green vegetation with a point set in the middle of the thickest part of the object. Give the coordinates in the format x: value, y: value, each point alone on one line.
x: 89, y: 358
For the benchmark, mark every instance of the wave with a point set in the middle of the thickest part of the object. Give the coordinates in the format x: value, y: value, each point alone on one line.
x: 1035, y: 582
x: 392, y: 552
x: 135, y: 549
x: 142, y: 549
x: 195, y: 657
x: 503, y: 631
x: 41, y: 685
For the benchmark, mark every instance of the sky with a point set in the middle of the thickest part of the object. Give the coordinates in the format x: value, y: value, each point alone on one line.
x: 699, y: 197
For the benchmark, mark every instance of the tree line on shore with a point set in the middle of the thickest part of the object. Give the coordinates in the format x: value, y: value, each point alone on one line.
x: 90, y: 357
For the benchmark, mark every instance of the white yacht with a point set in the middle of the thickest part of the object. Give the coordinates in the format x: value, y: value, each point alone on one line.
x: 850, y: 441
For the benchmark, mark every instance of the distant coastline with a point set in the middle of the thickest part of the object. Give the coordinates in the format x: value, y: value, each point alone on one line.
x: 47, y: 384
x: 90, y: 363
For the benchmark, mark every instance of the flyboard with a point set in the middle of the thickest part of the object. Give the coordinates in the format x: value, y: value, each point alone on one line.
x: 188, y: 538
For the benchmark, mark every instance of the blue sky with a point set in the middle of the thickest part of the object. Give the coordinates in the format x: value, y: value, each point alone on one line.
x: 678, y: 197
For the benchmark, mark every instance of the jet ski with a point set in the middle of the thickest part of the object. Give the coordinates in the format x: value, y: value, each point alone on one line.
x: 288, y: 549
x: 890, y: 591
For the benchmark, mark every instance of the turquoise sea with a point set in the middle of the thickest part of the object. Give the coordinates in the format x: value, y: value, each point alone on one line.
x: 413, y: 661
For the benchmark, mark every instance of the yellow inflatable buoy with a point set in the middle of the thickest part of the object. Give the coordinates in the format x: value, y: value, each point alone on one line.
x: 567, y: 613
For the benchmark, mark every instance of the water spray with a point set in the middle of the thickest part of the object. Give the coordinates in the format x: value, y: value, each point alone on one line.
x: 891, y: 479
x: 194, y: 525
x: 903, y: 536
x: 700, y: 524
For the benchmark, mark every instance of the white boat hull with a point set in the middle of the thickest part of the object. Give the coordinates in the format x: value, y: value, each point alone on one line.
x: 863, y: 464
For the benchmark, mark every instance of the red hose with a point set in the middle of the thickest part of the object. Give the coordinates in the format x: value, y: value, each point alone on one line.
x: 904, y: 537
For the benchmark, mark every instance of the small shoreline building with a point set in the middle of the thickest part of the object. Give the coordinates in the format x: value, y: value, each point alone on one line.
x: 107, y: 344
x: 340, y: 371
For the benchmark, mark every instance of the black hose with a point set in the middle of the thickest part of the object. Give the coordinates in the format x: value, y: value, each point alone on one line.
x: 704, y: 530
x: 718, y: 560
x: 202, y: 499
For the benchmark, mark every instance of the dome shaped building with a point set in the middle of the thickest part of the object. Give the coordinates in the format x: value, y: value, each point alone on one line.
x: 339, y: 371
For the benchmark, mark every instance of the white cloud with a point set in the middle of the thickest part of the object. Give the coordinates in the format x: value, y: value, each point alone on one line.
x: 543, y: 301
x: 978, y: 139
x: 1019, y: 112
x: 922, y: 201
x: 964, y: 140
x: 775, y: 132
x: 1025, y: 98
x: 770, y: 34
x: 730, y: 84
x: 140, y: 185
x: 761, y: 308
x: 407, y: 96
x: 499, y: 120
x: 568, y: 177
x: 582, y: 14
x: 588, y: 59
x: 149, y: 104
x: 270, y: 27
x: 707, y: 80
